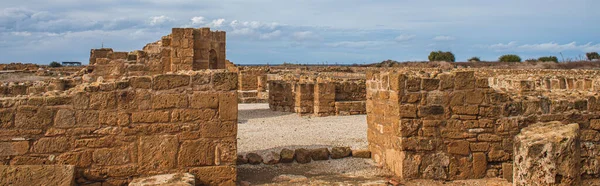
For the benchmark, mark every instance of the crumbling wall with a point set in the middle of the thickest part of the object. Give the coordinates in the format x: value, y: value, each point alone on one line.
x: 136, y: 126
x: 37, y: 88
x: 453, y: 126
x: 184, y: 49
x: 319, y: 95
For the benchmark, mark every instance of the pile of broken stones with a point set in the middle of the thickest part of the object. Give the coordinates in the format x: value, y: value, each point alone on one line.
x: 301, y: 155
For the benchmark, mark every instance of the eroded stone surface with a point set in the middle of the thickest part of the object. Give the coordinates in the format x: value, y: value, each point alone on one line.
x: 547, y: 154
x: 59, y: 175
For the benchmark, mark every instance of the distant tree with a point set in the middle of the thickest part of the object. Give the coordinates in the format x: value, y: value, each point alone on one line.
x: 441, y: 56
x: 592, y: 56
x: 55, y: 64
x: 509, y: 58
x: 474, y: 59
x: 548, y: 59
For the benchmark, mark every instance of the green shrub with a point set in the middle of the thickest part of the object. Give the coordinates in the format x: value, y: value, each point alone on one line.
x: 55, y: 64
x: 509, y: 58
x: 592, y: 55
x: 474, y: 59
x: 441, y: 56
x: 548, y: 59
x: 531, y: 60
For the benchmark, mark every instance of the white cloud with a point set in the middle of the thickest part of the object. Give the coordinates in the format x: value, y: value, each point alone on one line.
x: 216, y: 23
x: 271, y: 35
x: 158, y: 20
x: 303, y: 35
x: 443, y: 38
x: 502, y: 46
x: 23, y: 34
x: 550, y: 47
x: 197, y: 20
x: 405, y: 37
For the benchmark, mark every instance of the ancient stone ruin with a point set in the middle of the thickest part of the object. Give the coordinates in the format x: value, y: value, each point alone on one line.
x: 127, y: 115
x: 168, y: 114
x: 462, y: 124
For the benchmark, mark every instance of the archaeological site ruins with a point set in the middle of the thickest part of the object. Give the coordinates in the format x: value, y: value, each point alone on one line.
x: 168, y: 115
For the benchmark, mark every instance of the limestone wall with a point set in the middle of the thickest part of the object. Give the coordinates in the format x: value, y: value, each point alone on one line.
x: 138, y: 126
x: 318, y: 96
x: 452, y: 126
x: 186, y: 49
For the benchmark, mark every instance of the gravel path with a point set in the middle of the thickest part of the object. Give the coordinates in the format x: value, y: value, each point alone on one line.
x: 261, y: 129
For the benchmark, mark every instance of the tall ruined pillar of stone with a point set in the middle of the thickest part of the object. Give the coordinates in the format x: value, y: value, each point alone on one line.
x: 547, y: 154
x: 324, y: 99
x: 304, y: 98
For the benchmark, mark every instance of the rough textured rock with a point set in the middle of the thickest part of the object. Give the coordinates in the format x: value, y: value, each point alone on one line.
x: 254, y: 158
x: 241, y: 160
x: 178, y: 179
x: 547, y: 154
x: 340, y: 152
x: 361, y: 153
x: 271, y: 158
x: 319, y: 154
x: 60, y: 175
x: 287, y: 156
x: 303, y: 156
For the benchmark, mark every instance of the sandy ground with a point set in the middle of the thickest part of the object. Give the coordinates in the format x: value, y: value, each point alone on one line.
x: 262, y: 130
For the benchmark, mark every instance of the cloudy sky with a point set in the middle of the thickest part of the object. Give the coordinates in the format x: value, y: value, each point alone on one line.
x: 305, y: 31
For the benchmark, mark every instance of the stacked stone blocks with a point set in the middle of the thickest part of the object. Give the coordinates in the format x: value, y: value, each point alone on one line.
x: 454, y: 126
x: 138, y: 126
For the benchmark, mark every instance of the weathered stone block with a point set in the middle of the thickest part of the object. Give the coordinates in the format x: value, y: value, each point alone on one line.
x: 65, y: 118
x: 103, y: 100
x: 51, y: 145
x: 112, y: 156
x: 156, y: 153
x: 464, y: 80
x: 319, y: 154
x: 340, y: 152
x: 59, y: 175
x: 170, y: 81
x: 30, y: 117
x: 430, y: 84
x: 479, y: 165
x: 228, y: 107
x: 204, y: 100
x: 163, y: 101
x: 150, y: 117
x: 141, y: 82
x: 225, y: 81
x: 303, y: 156
x: 547, y: 154
x: 14, y: 148
x: 408, y: 111
x: 361, y: 153
x: 459, y: 147
x: 197, y: 153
